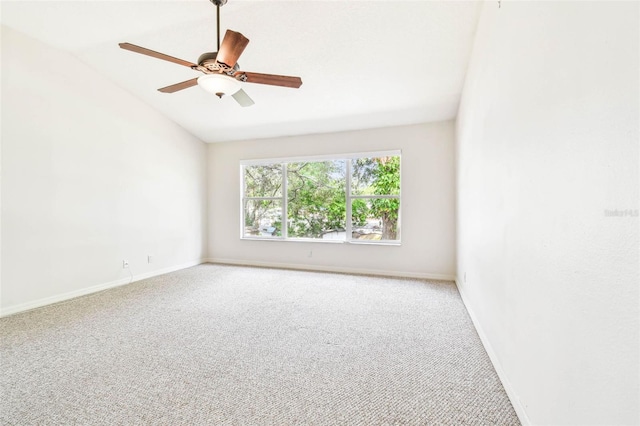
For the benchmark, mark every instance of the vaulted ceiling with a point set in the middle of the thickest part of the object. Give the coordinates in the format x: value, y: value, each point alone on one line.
x: 364, y: 64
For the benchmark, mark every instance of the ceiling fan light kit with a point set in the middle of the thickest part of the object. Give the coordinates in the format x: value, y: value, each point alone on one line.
x: 222, y: 76
x: 219, y: 84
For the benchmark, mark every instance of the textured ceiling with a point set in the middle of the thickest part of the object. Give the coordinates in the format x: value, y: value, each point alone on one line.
x: 364, y: 64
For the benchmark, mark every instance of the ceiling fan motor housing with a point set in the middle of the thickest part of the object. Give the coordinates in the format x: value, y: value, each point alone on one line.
x: 208, y: 61
x: 207, y: 58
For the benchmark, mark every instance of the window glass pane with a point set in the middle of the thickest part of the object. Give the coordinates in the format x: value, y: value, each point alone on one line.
x: 316, y: 199
x: 375, y: 176
x: 375, y: 219
x: 263, y: 181
x: 263, y: 218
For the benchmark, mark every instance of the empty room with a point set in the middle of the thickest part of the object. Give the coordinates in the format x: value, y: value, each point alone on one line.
x: 359, y: 212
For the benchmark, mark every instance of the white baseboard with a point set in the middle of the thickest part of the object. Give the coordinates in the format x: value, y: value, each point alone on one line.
x: 93, y: 289
x: 345, y: 270
x: 513, y: 397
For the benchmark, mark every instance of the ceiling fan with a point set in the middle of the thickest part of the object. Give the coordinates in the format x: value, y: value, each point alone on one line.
x: 222, y: 74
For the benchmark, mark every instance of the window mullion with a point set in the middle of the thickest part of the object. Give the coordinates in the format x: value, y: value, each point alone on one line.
x: 348, y: 202
x: 285, y: 213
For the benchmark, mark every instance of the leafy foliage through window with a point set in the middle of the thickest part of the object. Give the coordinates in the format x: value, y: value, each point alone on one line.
x: 355, y: 199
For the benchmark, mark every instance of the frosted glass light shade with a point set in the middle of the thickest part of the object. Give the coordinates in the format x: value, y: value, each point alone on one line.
x: 219, y: 84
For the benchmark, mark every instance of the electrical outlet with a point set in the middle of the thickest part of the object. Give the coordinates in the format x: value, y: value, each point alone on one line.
x: 149, y: 258
x: 125, y: 264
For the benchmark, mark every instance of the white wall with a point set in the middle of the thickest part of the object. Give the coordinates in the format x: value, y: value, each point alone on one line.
x: 427, y: 203
x: 90, y: 176
x: 547, y: 140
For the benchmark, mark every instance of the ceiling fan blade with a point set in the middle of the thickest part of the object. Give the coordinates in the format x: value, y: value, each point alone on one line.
x: 242, y: 98
x: 272, y: 79
x: 154, y: 54
x: 233, y: 45
x: 179, y: 86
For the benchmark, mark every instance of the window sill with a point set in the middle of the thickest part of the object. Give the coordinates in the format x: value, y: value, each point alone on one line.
x: 311, y: 240
x: 375, y: 243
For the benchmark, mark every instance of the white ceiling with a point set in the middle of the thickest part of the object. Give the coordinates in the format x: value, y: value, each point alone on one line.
x: 364, y: 64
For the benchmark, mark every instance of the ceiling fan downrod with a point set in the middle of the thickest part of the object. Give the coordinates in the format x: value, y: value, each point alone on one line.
x: 218, y: 3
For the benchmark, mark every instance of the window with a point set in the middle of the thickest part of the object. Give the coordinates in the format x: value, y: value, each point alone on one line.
x: 353, y: 198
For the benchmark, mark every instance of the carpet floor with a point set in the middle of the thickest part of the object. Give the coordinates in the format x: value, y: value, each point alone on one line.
x: 228, y: 345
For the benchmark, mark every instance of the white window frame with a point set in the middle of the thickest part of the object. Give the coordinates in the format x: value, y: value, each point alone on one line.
x: 349, y: 197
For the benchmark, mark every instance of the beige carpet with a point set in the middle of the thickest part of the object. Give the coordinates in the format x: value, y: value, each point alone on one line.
x: 226, y: 345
